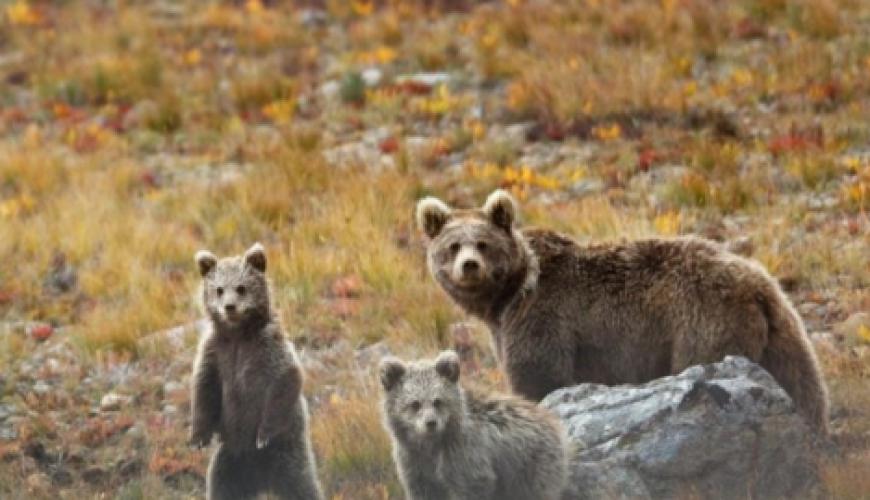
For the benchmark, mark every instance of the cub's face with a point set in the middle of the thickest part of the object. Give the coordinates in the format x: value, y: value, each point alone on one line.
x: 422, y: 400
x: 234, y: 289
x: 471, y: 252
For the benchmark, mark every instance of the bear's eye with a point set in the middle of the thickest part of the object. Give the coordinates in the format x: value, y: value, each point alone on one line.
x: 415, y: 406
x: 240, y: 290
x: 481, y: 246
x: 437, y: 403
x: 220, y: 291
x: 454, y: 248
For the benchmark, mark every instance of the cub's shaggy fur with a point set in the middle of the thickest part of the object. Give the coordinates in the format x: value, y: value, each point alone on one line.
x: 247, y: 388
x: 561, y: 313
x: 455, y: 443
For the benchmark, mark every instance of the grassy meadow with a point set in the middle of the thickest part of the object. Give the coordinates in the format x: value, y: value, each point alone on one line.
x: 134, y: 133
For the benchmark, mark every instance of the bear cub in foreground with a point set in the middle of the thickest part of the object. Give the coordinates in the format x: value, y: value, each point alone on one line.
x: 561, y: 313
x: 455, y: 443
x: 247, y: 388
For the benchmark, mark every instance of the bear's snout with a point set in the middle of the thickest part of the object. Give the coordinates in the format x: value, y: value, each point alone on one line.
x: 468, y: 268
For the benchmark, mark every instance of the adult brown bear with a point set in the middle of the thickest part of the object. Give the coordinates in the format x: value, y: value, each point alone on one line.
x: 561, y: 313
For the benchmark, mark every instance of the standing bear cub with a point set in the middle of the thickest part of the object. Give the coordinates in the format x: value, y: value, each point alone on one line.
x: 562, y: 314
x: 455, y: 443
x: 247, y: 388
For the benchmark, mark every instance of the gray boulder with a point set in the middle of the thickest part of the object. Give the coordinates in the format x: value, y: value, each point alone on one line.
x: 725, y: 430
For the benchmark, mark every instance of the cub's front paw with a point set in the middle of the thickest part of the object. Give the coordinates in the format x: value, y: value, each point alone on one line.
x: 264, y: 437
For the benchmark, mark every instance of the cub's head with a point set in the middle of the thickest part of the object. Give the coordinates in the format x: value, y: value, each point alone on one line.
x: 474, y: 253
x: 234, y: 289
x: 422, y: 400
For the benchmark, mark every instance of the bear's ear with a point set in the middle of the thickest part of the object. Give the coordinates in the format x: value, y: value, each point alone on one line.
x: 447, y: 365
x: 391, y: 371
x: 206, y: 261
x: 432, y: 214
x: 501, y: 209
x: 256, y: 257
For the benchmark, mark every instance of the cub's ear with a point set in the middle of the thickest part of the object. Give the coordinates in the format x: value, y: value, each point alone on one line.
x: 501, y: 209
x: 391, y: 371
x: 447, y: 365
x: 432, y: 214
x: 206, y: 261
x: 256, y: 257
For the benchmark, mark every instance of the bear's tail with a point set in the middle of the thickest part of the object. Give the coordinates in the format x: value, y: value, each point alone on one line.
x: 790, y: 358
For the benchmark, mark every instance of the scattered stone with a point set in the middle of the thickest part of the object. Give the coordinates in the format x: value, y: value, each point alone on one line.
x: 113, y: 402
x: 127, y: 469
x: 311, y: 18
x: 95, y: 476
x: 41, y: 388
x: 372, y: 77
x: 725, y: 430
x: 358, y: 153
x: 172, y: 388
x: 62, y: 478
x: 428, y: 79
x: 373, y: 353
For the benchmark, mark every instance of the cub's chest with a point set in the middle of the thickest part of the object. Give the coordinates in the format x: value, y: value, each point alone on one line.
x: 242, y: 368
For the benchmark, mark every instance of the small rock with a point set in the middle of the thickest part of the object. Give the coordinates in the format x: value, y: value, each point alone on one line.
x: 372, y: 77
x: 41, y: 388
x: 312, y: 17
x: 113, y: 402
x: 429, y: 79
x: 137, y: 430
x: 372, y: 353
x: 725, y: 430
x: 330, y: 89
x: 95, y: 476
x: 62, y: 478
x: 129, y: 468
x: 172, y: 387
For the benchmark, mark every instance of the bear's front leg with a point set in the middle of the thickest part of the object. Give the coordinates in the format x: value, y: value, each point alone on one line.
x: 281, y: 397
x: 206, y: 400
x: 537, y: 364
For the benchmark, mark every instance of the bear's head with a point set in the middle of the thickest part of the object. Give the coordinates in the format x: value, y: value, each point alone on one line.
x: 474, y: 254
x: 422, y: 400
x: 234, y: 289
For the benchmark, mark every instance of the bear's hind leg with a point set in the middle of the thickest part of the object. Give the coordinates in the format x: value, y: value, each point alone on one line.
x: 230, y: 477
x: 294, y: 477
x: 535, y: 373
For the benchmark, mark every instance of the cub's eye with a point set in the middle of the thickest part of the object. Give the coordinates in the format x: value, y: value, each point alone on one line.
x: 240, y: 290
x: 415, y: 406
x: 454, y: 248
x: 437, y: 403
x: 481, y: 246
x: 220, y: 291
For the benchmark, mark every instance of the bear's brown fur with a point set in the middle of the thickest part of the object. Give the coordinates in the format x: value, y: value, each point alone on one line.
x: 247, y: 388
x: 452, y: 441
x: 562, y: 314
